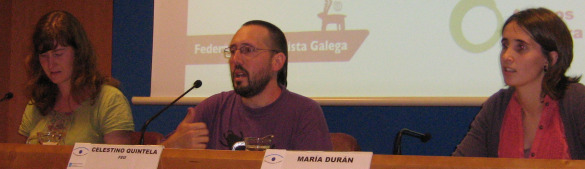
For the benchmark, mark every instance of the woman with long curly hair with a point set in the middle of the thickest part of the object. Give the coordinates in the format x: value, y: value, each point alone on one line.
x: 67, y: 93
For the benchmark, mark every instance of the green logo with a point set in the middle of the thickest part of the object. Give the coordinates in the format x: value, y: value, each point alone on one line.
x: 457, y: 18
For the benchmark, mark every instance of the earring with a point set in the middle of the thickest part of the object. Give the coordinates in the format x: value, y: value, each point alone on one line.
x: 545, y: 68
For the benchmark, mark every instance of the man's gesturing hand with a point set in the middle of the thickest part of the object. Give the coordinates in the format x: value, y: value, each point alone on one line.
x: 188, y: 134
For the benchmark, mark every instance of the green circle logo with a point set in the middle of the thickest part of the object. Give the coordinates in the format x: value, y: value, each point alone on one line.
x: 457, y: 18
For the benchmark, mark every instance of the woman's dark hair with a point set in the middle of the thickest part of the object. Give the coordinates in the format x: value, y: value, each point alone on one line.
x: 62, y: 28
x: 552, y: 34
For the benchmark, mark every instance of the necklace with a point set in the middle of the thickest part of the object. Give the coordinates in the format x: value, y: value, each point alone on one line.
x: 59, y: 121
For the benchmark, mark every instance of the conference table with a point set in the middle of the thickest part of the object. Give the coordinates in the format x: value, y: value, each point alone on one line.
x: 38, y: 156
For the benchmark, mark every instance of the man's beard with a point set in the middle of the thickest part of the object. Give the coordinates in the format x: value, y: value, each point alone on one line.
x: 254, y: 86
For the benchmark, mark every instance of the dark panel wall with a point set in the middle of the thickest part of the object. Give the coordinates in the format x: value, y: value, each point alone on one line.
x: 5, y: 37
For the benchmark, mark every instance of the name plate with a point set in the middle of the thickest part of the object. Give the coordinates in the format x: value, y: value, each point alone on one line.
x: 283, y: 159
x: 90, y: 156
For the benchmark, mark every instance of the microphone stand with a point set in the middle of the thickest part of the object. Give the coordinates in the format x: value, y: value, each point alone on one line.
x: 398, y: 140
x: 7, y: 96
x: 197, y: 84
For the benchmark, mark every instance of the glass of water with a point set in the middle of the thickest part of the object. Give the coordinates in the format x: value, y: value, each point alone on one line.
x: 258, y: 143
x: 50, y: 137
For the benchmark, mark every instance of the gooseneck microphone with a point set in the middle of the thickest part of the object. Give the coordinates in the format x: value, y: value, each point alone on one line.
x: 397, y: 142
x: 7, y: 96
x: 197, y: 84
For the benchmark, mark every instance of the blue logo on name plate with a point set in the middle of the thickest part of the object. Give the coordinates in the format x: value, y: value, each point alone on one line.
x: 273, y: 158
x: 80, y: 151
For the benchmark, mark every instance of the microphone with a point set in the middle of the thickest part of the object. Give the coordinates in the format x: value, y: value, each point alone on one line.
x: 197, y: 84
x: 7, y: 96
x: 397, y: 141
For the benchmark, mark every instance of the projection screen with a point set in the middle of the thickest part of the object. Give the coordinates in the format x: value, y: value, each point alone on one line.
x: 368, y: 52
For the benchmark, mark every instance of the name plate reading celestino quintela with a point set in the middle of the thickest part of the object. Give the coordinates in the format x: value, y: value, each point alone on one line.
x: 90, y: 156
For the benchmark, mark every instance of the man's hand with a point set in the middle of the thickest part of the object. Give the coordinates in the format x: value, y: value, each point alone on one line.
x: 188, y: 134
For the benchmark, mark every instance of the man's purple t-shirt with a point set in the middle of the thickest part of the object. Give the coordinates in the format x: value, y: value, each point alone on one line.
x: 296, y: 122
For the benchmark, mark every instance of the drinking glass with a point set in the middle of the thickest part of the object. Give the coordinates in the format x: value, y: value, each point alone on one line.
x: 50, y: 137
x: 258, y: 143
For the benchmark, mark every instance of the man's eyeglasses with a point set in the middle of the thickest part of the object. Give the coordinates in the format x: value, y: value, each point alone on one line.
x: 244, y: 50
